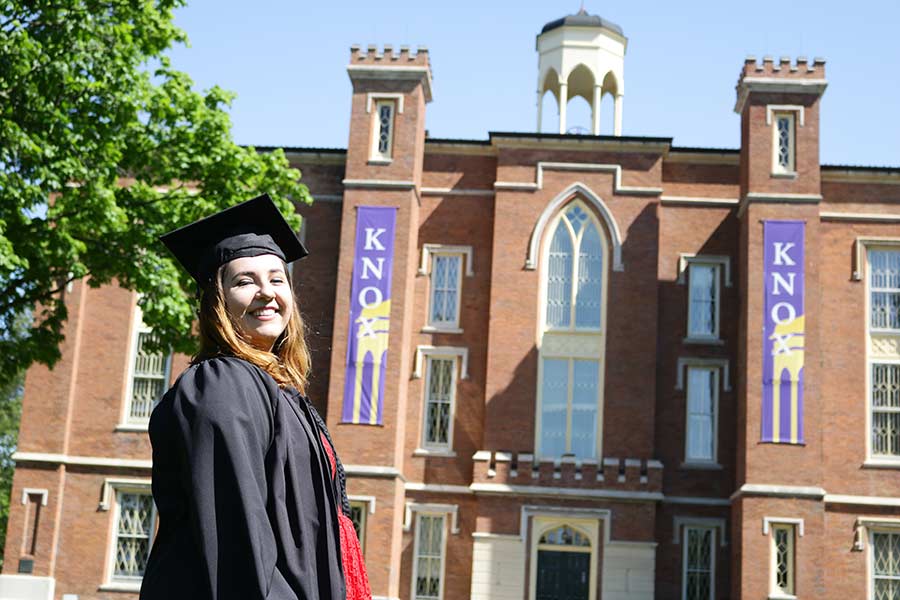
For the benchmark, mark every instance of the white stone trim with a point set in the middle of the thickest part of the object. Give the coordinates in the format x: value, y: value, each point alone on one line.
x: 779, y: 491
x: 434, y: 453
x: 693, y: 361
x: 414, y: 73
x: 696, y: 500
x: 429, y: 249
x: 794, y: 108
x: 537, y: 490
x: 550, y: 210
x: 42, y: 492
x: 82, y: 461
x: 115, y: 483
x: 679, y: 522
x: 776, y: 198
x: 776, y: 85
x: 446, y: 509
x: 862, y: 500
x: 376, y: 471
x: 698, y: 201
x: 446, y: 351
x: 854, y: 216
x: 685, y: 258
x: 436, y: 488
x: 767, y: 522
x: 618, y: 187
x: 372, y: 97
x: 433, y: 191
x: 369, y: 500
x: 485, y: 535
x: 32, y: 587
x: 120, y: 586
x: 859, y: 249
x: 867, y: 524
x: 396, y: 184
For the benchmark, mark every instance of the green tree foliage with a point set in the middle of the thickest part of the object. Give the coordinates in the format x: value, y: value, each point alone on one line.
x: 10, y: 411
x: 103, y: 147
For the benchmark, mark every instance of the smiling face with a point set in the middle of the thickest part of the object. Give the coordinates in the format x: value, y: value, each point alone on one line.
x: 258, y: 297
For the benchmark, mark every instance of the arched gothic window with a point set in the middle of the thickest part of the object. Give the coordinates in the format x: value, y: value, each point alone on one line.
x: 571, y: 337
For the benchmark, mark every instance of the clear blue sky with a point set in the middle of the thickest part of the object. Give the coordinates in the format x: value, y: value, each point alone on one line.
x: 286, y: 61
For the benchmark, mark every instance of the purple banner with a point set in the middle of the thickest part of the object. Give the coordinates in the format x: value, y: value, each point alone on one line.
x: 370, y: 312
x: 784, y: 332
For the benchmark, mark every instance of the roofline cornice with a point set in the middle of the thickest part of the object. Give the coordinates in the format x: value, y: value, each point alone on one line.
x: 776, y: 85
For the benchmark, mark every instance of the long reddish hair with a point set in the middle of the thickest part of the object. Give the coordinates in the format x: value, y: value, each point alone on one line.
x: 220, y: 335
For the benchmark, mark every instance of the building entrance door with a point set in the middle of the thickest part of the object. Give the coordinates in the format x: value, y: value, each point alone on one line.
x: 563, y: 575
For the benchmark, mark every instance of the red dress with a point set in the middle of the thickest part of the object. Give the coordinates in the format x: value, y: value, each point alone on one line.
x: 351, y: 554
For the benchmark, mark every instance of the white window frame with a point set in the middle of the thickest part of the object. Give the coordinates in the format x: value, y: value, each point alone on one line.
x: 716, y: 267
x: 435, y: 447
x: 429, y: 251
x: 590, y: 527
x: 886, y: 527
x: 112, y: 489
x: 882, y: 345
x: 451, y: 326
x: 685, y: 551
x: 714, y: 460
x: 367, y: 504
x: 571, y: 343
x: 433, y: 515
x: 569, y: 405
x: 795, y: 114
x: 376, y: 156
x: 794, y: 527
x: 126, y: 421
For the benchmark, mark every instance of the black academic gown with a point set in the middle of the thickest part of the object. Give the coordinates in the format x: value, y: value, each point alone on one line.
x: 247, y: 505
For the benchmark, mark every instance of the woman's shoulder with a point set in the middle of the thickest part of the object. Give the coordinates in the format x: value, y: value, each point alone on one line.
x: 216, y: 381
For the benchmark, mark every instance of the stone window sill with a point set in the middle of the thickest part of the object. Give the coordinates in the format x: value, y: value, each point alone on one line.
x: 882, y: 463
x: 433, y: 329
x: 134, y: 427
x: 785, y: 175
x: 700, y: 466
x: 703, y: 340
x: 380, y: 161
x: 780, y: 596
x: 434, y: 453
x: 121, y: 586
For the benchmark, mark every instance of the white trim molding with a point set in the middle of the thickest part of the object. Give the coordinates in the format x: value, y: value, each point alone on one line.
x: 693, y: 361
x: 859, y: 251
x: 776, y: 85
x: 369, y: 500
x: 794, y: 108
x: 618, y: 187
x: 371, y: 97
x: 42, y: 492
x: 685, y: 258
x: 429, y: 249
x: 696, y: 500
x: 393, y: 184
x: 679, y: 522
x: 862, y: 217
x: 414, y: 73
x: 82, y: 461
x: 451, y: 351
x: 560, y: 492
x: 113, y: 483
x: 375, y: 471
x: 445, y: 509
x: 436, y: 488
x: 551, y: 209
x: 433, y: 191
x: 862, y: 500
x: 698, y: 201
x: 776, y: 198
x: 767, y: 522
x: 779, y: 491
x: 868, y: 523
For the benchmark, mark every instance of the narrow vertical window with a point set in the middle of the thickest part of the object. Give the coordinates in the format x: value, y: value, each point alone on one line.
x: 440, y: 388
x: 358, y: 512
x: 703, y: 301
x: 886, y: 565
x: 884, y: 289
x: 429, y: 557
x: 383, y: 129
x: 782, y: 560
x: 149, y: 376
x: 446, y: 279
x: 885, y: 387
x: 135, y: 515
x: 569, y: 401
x: 702, y: 401
x: 699, y: 564
x: 784, y: 144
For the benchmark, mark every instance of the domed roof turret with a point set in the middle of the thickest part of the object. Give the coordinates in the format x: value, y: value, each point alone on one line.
x: 582, y: 19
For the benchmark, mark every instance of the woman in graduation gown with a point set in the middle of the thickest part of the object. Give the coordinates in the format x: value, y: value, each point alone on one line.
x: 250, y: 493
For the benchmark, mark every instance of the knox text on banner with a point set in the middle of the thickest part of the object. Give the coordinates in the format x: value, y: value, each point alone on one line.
x: 783, y: 332
x: 370, y: 312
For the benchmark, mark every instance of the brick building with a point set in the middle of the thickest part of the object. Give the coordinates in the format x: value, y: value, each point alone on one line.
x: 578, y: 390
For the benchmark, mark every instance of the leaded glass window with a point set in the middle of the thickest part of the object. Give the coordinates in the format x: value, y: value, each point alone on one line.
x: 702, y: 391
x: 565, y: 536
x: 440, y: 383
x: 784, y: 143
x: 783, y: 558
x: 358, y: 511
x: 446, y: 276
x: 429, y: 557
x: 149, y: 377
x: 886, y: 409
x: 134, y: 527
x: 703, y: 300
x: 886, y: 565
x: 698, y: 563
x: 884, y: 287
x: 575, y: 272
x: 570, y: 391
x: 384, y: 129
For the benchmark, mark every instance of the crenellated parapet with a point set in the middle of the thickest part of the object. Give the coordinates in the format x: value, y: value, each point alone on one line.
x: 388, y: 55
x: 780, y: 76
x: 521, y: 468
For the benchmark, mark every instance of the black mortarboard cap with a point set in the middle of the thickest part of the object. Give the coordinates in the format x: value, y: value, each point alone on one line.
x: 251, y: 228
